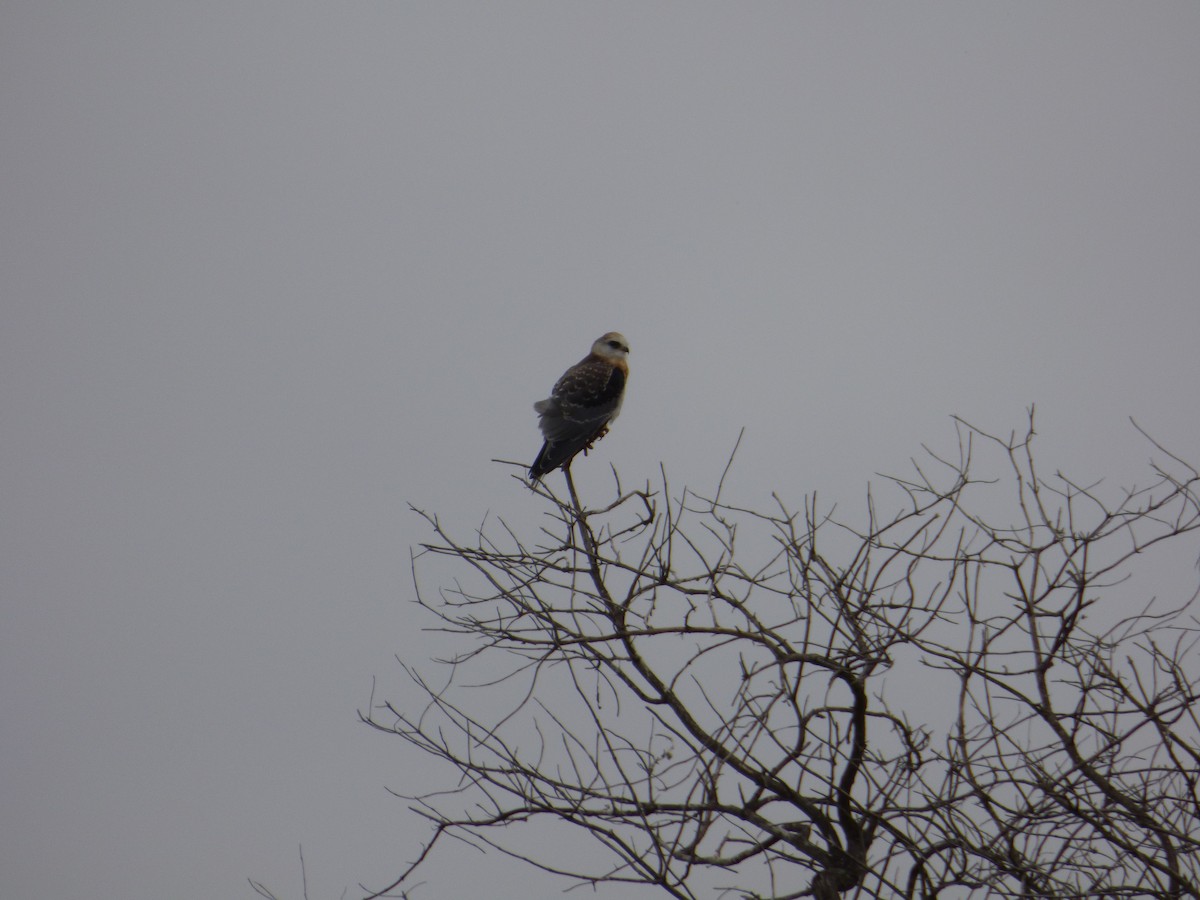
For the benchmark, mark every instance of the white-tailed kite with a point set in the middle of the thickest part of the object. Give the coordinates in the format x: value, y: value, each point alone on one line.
x: 582, y: 405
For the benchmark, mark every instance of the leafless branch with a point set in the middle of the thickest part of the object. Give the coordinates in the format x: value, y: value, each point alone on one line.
x: 977, y: 694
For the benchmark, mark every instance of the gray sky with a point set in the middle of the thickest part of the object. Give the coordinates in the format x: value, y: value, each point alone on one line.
x: 271, y: 271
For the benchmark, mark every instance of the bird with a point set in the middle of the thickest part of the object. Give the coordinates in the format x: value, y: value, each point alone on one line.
x: 583, y: 403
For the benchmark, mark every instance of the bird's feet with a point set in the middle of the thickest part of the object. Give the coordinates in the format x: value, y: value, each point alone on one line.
x: 596, y: 437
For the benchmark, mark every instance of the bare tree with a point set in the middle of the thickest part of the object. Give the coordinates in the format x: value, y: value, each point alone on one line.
x: 973, y: 695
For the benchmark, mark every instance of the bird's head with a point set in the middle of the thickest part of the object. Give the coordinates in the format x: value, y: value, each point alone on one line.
x: 611, y: 346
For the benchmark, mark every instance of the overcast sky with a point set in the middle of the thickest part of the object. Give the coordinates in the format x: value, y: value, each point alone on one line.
x: 270, y: 271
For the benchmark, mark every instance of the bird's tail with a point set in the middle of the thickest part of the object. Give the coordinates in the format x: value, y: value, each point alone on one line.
x: 542, y: 465
x: 558, y: 454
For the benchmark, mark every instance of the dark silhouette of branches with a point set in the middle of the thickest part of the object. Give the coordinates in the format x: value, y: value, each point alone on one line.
x: 973, y: 694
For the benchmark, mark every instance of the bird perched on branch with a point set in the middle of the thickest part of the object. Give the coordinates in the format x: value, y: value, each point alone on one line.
x: 582, y: 405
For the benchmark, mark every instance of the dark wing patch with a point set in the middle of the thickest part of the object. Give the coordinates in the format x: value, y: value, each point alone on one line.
x: 583, y: 400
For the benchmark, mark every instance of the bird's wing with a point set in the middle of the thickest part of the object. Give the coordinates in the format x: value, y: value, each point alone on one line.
x: 584, y: 400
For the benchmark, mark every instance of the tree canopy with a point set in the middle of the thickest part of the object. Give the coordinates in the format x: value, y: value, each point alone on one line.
x: 967, y: 688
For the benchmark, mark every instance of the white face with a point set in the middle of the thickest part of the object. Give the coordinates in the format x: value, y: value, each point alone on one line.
x: 612, y: 346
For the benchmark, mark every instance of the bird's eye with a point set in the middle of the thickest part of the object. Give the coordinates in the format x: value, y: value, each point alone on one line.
x: 616, y: 345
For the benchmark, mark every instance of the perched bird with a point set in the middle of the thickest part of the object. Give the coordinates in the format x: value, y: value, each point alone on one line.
x: 582, y: 405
